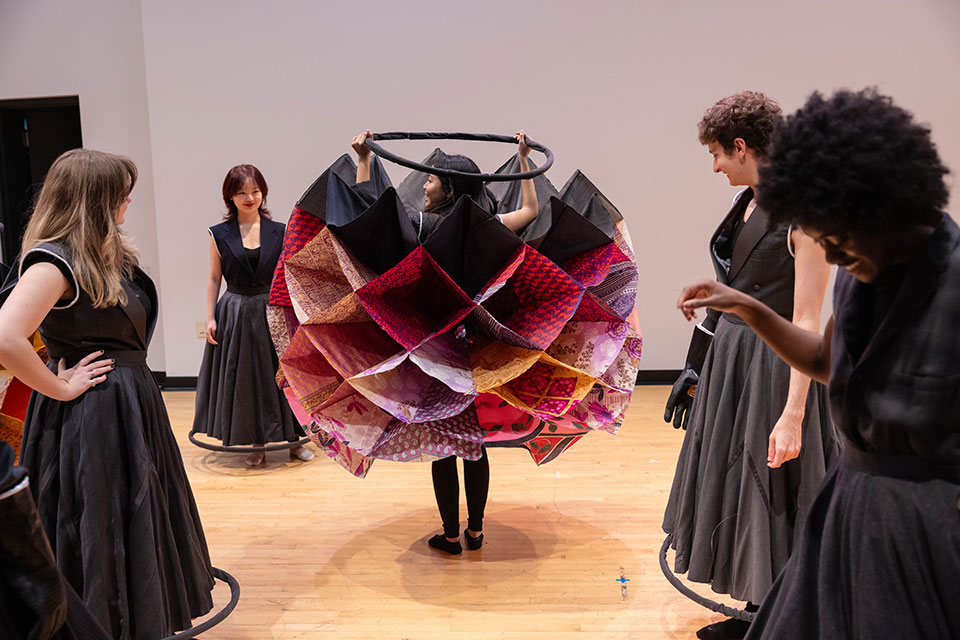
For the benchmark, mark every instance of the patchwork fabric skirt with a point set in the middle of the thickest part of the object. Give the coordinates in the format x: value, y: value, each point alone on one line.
x: 398, y: 347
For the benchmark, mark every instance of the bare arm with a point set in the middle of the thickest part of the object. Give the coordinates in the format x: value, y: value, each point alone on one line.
x: 213, y: 292
x: 812, y: 275
x: 516, y: 220
x: 810, y: 285
x: 39, y: 288
x: 805, y: 350
x: 363, y: 155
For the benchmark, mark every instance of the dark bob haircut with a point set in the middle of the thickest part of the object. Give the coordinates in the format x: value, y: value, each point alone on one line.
x: 852, y: 162
x: 233, y: 183
x: 749, y: 115
x: 457, y: 187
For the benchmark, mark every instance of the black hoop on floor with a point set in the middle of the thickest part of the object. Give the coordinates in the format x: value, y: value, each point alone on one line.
x: 220, y: 616
x: 451, y: 173
x: 247, y: 449
x: 730, y: 612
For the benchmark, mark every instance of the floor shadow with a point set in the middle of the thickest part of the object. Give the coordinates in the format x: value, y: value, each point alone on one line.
x: 531, y: 555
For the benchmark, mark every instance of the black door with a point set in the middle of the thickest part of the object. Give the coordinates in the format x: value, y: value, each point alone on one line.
x: 33, y: 132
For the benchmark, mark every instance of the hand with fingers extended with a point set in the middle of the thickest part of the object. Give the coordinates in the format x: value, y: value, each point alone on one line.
x: 785, y: 440
x: 681, y: 399
x: 710, y: 294
x: 83, y: 375
x: 358, y: 145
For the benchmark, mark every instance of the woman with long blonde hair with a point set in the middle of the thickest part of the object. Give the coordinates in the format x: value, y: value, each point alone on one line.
x: 108, y: 478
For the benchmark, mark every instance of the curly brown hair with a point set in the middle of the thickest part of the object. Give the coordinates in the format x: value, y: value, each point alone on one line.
x: 750, y: 115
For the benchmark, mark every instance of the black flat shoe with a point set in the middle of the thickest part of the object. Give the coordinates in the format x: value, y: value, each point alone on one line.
x: 473, y: 543
x: 729, y: 629
x: 440, y: 542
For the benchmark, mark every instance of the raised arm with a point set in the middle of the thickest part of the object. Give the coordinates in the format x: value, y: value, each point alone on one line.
x: 213, y: 292
x: 810, y: 285
x: 516, y: 220
x: 805, y: 350
x: 363, y: 155
x: 39, y: 288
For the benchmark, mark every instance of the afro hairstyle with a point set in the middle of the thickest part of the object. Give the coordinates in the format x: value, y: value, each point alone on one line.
x: 853, y: 162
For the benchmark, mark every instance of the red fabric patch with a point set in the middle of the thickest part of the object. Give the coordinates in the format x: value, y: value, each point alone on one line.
x: 301, y: 229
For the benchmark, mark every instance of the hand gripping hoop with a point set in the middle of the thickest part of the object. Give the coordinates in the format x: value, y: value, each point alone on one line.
x: 451, y: 173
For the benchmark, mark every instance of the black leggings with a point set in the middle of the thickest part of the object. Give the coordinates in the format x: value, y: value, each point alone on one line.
x: 446, y: 486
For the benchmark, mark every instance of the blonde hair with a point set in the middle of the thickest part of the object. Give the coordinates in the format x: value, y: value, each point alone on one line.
x: 78, y: 207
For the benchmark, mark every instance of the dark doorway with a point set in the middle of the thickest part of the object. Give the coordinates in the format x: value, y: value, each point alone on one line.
x: 33, y: 132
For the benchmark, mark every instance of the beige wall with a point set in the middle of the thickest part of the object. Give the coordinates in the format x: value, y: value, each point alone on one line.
x: 93, y: 50
x: 614, y: 88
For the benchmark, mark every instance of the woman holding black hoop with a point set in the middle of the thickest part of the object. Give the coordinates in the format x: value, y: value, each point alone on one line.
x: 238, y: 400
x: 440, y: 195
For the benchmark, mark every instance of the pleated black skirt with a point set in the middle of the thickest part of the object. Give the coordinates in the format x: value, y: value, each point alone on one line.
x: 114, y: 499
x: 879, y: 557
x: 735, y: 520
x: 238, y: 400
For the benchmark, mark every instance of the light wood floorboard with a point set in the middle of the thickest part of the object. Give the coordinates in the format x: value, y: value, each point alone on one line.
x: 321, y: 554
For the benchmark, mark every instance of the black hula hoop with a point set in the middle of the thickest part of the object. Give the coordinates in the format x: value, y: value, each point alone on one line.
x: 247, y: 449
x: 451, y: 173
x: 221, y: 615
x: 730, y: 612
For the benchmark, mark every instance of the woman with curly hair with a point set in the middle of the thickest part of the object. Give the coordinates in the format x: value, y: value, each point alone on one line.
x: 879, y: 554
x: 758, y: 439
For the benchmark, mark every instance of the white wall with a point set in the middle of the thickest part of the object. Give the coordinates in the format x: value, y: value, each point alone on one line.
x: 614, y: 88
x: 93, y: 50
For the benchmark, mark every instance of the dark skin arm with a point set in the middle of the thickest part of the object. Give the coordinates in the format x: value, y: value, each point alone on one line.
x: 805, y: 351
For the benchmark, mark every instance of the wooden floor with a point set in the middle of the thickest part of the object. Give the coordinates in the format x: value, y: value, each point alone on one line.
x: 321, y: 554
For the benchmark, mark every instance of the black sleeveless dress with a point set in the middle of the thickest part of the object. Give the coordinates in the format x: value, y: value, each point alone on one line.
x: 106, y: 472
x: 879, y: 555
x: 238, y: 400
x: 734, y: 519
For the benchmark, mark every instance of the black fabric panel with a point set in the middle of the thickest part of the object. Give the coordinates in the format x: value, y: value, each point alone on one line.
x: 343, y: 203
x: 471, y: 245
x: 598, y: 215
x: 578, y: 191
x: 370, y: 190
x: 379, y: 236
x: 508, y: 194
x: 570, y: 234
x: 314, y: 199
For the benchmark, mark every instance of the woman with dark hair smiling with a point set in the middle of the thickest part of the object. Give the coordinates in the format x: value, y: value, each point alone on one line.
x: 238, y: 400
x: 879, y: 555
x: 758, y: 439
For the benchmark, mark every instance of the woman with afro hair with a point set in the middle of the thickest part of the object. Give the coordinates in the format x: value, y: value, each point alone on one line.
x: 879, y: 554
x: 758, y: 439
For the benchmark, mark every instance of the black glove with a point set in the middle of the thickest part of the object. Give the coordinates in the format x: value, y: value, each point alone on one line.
x: 27, y: 565
x: 681, y: 399
x: 681, y: 396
